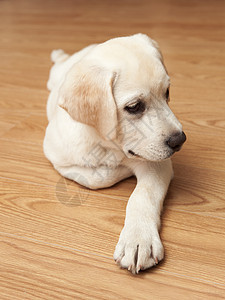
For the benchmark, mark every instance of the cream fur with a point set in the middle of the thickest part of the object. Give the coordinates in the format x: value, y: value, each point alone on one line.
x: 88, y: 93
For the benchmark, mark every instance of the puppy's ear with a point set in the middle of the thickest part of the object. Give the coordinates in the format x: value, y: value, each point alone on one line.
x: 160, y: 56
x: 87, y: 96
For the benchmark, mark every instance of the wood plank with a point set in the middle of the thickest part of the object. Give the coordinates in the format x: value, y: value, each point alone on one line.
x: 36, y: 270
x: 191, y: 239
x: 199, y: 151
x: 13, y: 95
x: 30, y: 129
x: 9, y: 119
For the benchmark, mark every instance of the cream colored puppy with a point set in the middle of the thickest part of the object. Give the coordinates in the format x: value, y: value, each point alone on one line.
x: 109, y: 119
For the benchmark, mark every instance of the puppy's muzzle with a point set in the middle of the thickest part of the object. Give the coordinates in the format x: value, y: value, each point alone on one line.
x: 176, y: 140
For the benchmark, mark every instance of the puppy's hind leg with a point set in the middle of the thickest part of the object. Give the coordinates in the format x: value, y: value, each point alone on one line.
x: 95, y: 178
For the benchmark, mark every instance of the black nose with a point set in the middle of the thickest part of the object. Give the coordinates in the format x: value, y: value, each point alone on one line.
x: 176, y: 140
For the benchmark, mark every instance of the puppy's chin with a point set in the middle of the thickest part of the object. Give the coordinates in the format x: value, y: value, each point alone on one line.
x: 149, y: 156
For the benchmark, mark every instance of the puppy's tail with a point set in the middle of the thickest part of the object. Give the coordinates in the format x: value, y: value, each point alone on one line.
x: 58, y: 56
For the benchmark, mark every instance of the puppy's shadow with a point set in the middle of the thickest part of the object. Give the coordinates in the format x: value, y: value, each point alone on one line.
x: 180, y: 194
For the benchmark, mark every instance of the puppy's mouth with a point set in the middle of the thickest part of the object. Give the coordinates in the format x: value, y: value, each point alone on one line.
x: 131, y: 152
x: 134, y: 154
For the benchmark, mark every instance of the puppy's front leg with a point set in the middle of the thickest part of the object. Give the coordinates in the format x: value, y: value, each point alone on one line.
x: 139, y: 245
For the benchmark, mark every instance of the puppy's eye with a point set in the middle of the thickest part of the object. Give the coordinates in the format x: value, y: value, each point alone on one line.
x: 137, y: 108
x: 167, y: 95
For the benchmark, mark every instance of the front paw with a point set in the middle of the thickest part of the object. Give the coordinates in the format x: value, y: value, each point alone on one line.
x: 139, y: 247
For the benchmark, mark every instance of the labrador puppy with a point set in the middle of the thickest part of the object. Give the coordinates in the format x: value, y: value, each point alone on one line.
x: 109, y: 119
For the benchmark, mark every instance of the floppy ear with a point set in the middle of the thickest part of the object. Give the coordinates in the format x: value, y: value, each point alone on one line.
x: 87, y: 96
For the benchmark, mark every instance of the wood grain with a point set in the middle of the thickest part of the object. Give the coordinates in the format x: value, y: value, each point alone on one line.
x: 77, y: 225
x: 45, y: 270
x: 57, y: 237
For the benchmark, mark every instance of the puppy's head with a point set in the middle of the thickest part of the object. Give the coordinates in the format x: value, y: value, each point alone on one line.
x: 122, y: 89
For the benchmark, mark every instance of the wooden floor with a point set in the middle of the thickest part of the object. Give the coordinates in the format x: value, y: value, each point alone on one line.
x: 57, y: 238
